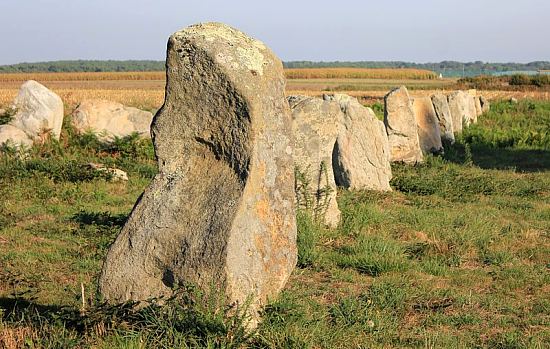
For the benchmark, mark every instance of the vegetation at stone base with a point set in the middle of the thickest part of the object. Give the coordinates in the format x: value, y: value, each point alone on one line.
x: 517, y: 82
x: 456, y: 256
x: 6, y: 115
x: 312, y: 194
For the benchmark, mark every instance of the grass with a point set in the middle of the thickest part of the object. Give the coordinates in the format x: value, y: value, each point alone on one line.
x: 457, y: 256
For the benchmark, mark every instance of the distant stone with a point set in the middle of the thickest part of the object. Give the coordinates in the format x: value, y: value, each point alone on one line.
x: 513, y: 100
x: 485, y: 105
x: 361, y: 157
x: 220, y: 212
x: 14, y: 137
x: 429, y: 134
x: 115, y: 174
x: 471, y: 110
x: 315, y: 129
x: 444, y: 118
x: 477, y: 102
x: 458, y: 105
x: 109, y: 119
x: 39, y: 111
x: 401, y: 127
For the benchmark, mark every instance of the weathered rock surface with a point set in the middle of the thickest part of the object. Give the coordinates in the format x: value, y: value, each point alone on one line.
x: 361, y: 157
x: 401, y: 127
x: 220, y: 212
x: 485, y: 105
x: 110, y: 119
x: 459, y: 110
x: 39, y: 111
x: 444, y: 118
x: 14, y: 137
x: 429, y: 134
x: 315, y: 128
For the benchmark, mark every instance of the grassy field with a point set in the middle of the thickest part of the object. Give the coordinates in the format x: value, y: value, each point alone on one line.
x: 457, y: 256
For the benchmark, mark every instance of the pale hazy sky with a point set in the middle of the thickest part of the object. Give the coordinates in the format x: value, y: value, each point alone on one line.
x: 406, y: 30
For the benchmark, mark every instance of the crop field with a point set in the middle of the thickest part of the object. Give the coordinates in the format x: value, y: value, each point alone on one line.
x: 456, y: 256
x: 145, y: 90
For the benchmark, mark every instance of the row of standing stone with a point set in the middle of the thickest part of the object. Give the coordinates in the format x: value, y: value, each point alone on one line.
x: 340, y: 143
x: 423, y: 125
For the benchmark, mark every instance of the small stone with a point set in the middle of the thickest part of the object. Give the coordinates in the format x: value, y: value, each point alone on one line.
x: 14, y: 137
x: 109, y: 119
x: 115, y: 174
x: 39, y: 111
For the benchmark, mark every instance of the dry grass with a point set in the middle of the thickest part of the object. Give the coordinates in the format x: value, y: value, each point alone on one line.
x: 82, y: 76
x: 310, y: 73
x: 145, y: 90
x: 143, y: 99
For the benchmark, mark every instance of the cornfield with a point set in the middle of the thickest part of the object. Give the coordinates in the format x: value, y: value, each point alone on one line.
x: 359, y: 73
x: 82, y: 76
x: 305, y: 73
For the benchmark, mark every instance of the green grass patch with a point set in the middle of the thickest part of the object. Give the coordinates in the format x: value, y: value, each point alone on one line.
x: 457, y: 256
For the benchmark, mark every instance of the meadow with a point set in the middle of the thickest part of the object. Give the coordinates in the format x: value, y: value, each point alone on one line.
x: 456, y: 256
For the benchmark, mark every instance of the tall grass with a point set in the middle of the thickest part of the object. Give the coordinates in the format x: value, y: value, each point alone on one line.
x: 82, y: 76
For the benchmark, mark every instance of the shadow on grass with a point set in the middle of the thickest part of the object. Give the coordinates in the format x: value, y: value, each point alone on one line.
x: 103, y: 219
x: 20, y: 311
x: 490, y: 157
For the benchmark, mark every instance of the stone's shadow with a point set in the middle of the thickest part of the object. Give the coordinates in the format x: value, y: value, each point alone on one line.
x: 102, y: 219
x: 19, y: 311
x: 490, y: 157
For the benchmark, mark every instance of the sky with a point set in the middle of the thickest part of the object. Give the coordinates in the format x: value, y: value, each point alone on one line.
x: 317, y: 30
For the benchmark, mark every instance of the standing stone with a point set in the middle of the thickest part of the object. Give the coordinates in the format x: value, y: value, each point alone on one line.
x: 110, y: 119
x: 429, y: 134
x: 444, y: 118
x: 458, y: 106
x: 477, y: 102
x: 220, y: 212
x: 315, y: 129
x: 14, y: 137
x: 401, y: 127
x: 485, y: 105
x: 361, y: 157
x: 39, y: 111
x: 471, y: 106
